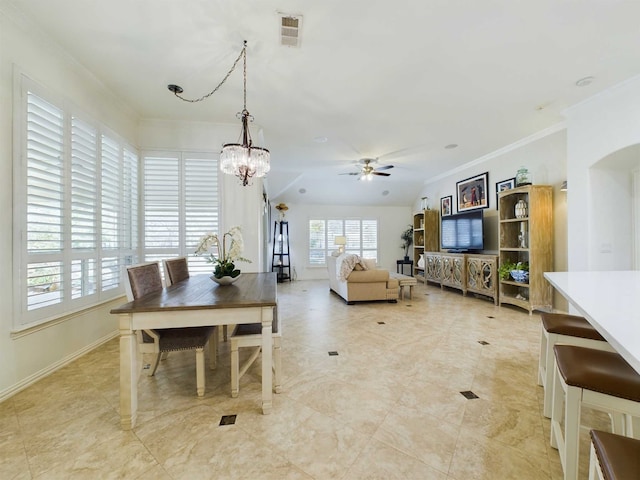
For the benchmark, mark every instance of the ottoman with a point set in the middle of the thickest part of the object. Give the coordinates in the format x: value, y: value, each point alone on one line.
x: 404, y: 281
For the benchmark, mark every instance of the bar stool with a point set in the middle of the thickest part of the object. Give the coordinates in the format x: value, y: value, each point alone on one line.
x: 613, y: 457
x: 596, y: 379
x: 560, y: 328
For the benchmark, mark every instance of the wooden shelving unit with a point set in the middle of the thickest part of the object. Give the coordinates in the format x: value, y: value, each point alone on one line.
x: 426, y: 237
x: 527, y: 239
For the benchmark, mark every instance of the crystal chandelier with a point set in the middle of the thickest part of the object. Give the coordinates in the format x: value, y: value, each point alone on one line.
x: 244, y: 160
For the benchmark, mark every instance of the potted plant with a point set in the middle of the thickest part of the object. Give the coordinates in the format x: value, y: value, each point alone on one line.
x: 518, y: 271
x: 407, y: 241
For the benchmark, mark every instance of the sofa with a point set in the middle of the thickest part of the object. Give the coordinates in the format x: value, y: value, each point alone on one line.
x: 357, y: 280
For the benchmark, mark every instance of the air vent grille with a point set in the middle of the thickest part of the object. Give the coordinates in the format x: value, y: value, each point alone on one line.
x: 290, y: 31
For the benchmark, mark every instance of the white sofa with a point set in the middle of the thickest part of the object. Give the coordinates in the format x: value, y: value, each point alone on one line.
x: 361, y: 285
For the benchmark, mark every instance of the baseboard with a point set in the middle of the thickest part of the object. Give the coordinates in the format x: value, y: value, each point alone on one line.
x: 45, y: 372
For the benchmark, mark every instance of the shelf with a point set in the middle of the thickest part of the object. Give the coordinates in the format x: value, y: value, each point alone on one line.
x: 514, y: 249
x: 509, y: 220
x: 512, y: 282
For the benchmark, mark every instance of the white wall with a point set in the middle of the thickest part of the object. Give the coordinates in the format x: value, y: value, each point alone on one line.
x: 23, y: 49
x: 602, y: 154
x: 391, y: 221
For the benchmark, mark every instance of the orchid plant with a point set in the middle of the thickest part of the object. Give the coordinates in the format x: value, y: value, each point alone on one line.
x: 224, y: 259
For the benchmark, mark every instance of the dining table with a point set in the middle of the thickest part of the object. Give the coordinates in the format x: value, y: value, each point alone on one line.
x: 196, y: 301
x: 610, y: 301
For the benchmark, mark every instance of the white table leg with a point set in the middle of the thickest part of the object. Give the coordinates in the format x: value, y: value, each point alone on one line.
x: 128, y: 374
x: 267, y: 360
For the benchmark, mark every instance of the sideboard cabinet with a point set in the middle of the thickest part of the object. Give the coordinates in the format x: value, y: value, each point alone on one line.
x: 472, y: 272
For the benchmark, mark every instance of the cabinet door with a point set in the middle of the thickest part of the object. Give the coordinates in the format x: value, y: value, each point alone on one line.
x: 452, y: 271
x: 433, y: 267
x: 482, y: 275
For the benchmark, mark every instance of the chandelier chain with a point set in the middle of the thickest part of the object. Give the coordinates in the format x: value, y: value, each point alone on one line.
x: 243, y: 54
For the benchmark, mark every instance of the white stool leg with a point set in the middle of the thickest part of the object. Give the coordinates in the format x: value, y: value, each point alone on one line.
x: 594, y: 466
x: 571, y: 432
x: 542, y: 358
x: 557, y: 388
x: 549, y: 368
x: 618, y: 423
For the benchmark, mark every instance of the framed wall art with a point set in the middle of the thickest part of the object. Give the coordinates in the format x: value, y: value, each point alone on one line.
x: 445, y: 205
x: 472, y: 192
x: 507, y: 184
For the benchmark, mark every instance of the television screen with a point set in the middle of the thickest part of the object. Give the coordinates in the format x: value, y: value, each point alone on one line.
x: 462, y: 232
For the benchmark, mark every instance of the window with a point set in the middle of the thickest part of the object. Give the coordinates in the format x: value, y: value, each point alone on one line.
x: 180, y: 205
x: 362, y: 238
x: 75, y: 210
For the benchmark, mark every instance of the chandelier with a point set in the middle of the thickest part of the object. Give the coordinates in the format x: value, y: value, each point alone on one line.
x: 242, y: 159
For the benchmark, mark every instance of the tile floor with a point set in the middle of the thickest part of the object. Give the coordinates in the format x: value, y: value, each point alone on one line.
x: 388, y: 406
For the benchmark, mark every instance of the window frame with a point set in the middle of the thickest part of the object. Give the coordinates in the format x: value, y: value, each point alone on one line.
x: 185, y: 247
x: 329, y: 247
x: 69, y: 302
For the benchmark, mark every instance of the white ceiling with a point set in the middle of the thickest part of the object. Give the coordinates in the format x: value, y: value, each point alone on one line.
x: 398, y: 80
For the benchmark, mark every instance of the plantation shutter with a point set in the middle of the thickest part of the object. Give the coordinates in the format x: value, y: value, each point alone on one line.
x: 84, y: 208
x: 161, y: 207
x: 370, y: 239
x: 130, y: 204
x: 362, y: 238
x: 317, y: 248
x: 200, y: 206
x: 111, y: 198
x: 45, y: 202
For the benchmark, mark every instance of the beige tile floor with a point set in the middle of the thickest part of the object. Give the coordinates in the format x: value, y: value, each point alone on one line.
x: 388, y: 406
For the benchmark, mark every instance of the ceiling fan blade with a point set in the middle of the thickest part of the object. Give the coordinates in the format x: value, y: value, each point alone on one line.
x: 350, y: 173
x: 381, y: 174
x: 386, y: 167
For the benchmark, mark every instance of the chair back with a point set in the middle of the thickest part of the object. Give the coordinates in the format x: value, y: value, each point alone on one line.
x: 175, y: 270
x: 144, y: 278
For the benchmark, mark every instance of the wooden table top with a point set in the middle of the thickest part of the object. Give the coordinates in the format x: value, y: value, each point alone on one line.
x: 200, y: 292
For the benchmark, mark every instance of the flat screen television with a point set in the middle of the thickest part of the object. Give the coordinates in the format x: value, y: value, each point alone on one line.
x: 462, y: 232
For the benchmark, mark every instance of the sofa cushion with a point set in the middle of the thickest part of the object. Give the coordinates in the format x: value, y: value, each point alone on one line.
x: 368, y: 276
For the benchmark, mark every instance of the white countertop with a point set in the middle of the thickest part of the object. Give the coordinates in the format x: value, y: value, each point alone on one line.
x: 611, y: 303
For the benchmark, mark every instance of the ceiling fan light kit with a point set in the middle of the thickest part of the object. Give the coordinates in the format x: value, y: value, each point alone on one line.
x: 368, y: 171
x: 242, y: 159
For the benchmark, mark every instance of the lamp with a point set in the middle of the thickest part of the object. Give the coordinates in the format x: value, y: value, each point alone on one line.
x: 244, y: 160
x: 341, y: 241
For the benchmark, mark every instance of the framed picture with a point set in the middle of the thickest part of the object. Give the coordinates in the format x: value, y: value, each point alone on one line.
x: 445, y: 205
x: 472, y: 192
x: 507, y: 184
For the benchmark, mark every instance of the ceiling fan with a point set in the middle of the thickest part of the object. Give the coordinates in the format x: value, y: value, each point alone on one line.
x: 368, y: 171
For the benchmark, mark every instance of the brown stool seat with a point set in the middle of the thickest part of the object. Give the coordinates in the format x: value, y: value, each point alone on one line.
x: 598, y: 371
x: 618, y: 456
x: 570, y: 325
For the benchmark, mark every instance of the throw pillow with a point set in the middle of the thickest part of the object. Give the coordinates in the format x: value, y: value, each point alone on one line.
x: 369, y: 263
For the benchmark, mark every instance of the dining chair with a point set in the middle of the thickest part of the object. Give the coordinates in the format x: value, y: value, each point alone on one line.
x: 177, y: 270
x: 144, y: 279
x: 250, y: 335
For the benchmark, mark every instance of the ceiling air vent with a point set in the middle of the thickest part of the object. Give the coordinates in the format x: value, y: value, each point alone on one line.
x: 290, y: 30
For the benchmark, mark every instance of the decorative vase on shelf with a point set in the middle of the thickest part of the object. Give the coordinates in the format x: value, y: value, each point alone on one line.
x: 226, y: 280
x: 523, y: 177
x: 521, y: 209
x: 421, y: 261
